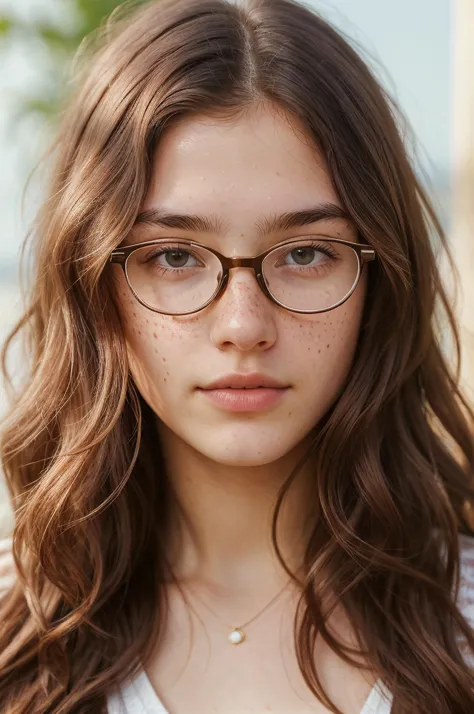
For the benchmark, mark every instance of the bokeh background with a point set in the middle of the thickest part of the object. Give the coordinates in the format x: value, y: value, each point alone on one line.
x: 421, y: 50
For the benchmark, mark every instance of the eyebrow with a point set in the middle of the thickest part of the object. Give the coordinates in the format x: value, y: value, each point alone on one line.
x: 265, y: 226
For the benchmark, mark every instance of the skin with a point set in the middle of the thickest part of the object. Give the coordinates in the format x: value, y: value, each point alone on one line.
x: 226, y: 468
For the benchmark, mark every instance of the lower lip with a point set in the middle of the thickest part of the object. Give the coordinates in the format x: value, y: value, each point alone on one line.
x: 245, y: 400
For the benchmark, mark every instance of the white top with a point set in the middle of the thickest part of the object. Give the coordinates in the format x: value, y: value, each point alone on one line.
x: 137, y: 695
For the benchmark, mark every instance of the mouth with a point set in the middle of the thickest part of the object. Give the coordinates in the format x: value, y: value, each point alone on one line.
x: 245, y: 392
x: 251, y: 380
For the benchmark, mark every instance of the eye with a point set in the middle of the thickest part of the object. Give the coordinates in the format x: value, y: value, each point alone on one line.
x: 178, y: 258
x: 311, y: 254
x: 169, y: 257
x: 302, y: 256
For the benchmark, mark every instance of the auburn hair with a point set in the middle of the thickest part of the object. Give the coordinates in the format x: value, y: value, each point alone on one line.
x: 394, y: 456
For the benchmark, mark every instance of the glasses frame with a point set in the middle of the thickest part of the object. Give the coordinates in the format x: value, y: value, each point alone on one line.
x: 364, y: 252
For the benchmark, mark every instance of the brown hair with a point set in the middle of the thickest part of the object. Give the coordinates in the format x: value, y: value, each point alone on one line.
x: 395, y: 454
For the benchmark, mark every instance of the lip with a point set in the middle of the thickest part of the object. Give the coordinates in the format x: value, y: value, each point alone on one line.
x: 251, y: 380
x: 245, y: 392
x: 245, y: 400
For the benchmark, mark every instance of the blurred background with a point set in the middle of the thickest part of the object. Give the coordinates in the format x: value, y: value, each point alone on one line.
x: 421, y: 51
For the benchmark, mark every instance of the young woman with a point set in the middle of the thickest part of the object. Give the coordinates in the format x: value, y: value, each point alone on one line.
x: 241, y: 466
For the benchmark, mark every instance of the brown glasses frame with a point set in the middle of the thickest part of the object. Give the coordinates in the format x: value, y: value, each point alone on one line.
x: 364, y: 252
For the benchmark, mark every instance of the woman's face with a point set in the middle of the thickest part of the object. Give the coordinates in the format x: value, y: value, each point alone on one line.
x: 242, y: 175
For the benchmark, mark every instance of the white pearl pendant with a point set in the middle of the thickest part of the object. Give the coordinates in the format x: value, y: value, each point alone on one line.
x: 236, y: 636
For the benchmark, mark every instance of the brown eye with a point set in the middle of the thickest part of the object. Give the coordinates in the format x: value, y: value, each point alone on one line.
x: 177, y: 258
x: 303, y: 256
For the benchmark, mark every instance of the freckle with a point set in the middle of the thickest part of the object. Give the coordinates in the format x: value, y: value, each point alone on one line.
x: 327, y: 347
x: 164, y: 359
x: 319, y: 352
x: 155, y: 335
x: 165, y: 379
x: 139, y: 332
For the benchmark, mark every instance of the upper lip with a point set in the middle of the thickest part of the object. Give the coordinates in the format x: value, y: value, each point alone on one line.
x: 245, y: 381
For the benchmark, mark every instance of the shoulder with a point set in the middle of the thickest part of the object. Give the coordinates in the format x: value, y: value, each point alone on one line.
x: 7, y: 565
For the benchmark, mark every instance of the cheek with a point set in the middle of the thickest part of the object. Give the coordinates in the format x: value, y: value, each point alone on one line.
x: 321, y: 349
x: 328, y: 336
x: 325, y: 336
x: 157, y: 346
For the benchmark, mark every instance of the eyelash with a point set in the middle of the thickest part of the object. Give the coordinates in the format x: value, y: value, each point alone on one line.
x: 321, y: 247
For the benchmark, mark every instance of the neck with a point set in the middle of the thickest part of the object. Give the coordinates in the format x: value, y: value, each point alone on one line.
x: 222, y: 523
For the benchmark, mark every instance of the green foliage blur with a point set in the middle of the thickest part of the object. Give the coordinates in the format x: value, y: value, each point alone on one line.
x: 55, y: 46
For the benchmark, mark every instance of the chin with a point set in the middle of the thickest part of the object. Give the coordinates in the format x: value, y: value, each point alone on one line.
x: 247, y: 459
x: 248, y: 446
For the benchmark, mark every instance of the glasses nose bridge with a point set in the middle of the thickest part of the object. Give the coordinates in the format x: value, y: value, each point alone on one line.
x: 255, y: 264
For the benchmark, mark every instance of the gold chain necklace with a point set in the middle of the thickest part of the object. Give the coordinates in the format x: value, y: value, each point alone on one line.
x: 237, y: 634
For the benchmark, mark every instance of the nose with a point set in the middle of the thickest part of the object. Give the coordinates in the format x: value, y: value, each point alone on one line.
x: 243, y: 317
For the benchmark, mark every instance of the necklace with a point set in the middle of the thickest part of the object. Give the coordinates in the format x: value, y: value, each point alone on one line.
x: 237, y: 635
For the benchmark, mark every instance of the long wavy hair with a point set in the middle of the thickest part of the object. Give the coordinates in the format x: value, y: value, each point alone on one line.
x: 394, y: 456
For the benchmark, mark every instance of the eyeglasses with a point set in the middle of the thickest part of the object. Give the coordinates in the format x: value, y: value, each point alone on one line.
x: 305, y: 275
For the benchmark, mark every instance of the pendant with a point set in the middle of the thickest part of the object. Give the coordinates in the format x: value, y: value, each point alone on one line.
x: 236, y: 636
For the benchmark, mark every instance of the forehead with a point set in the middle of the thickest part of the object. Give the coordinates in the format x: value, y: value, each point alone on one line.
x: 238, y: 169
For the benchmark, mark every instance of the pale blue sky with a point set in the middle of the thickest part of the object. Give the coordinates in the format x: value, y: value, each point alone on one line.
x: 410, y: 38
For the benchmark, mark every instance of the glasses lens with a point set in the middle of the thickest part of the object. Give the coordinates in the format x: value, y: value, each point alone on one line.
x: 312, y: 274
x: 174, y: 277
